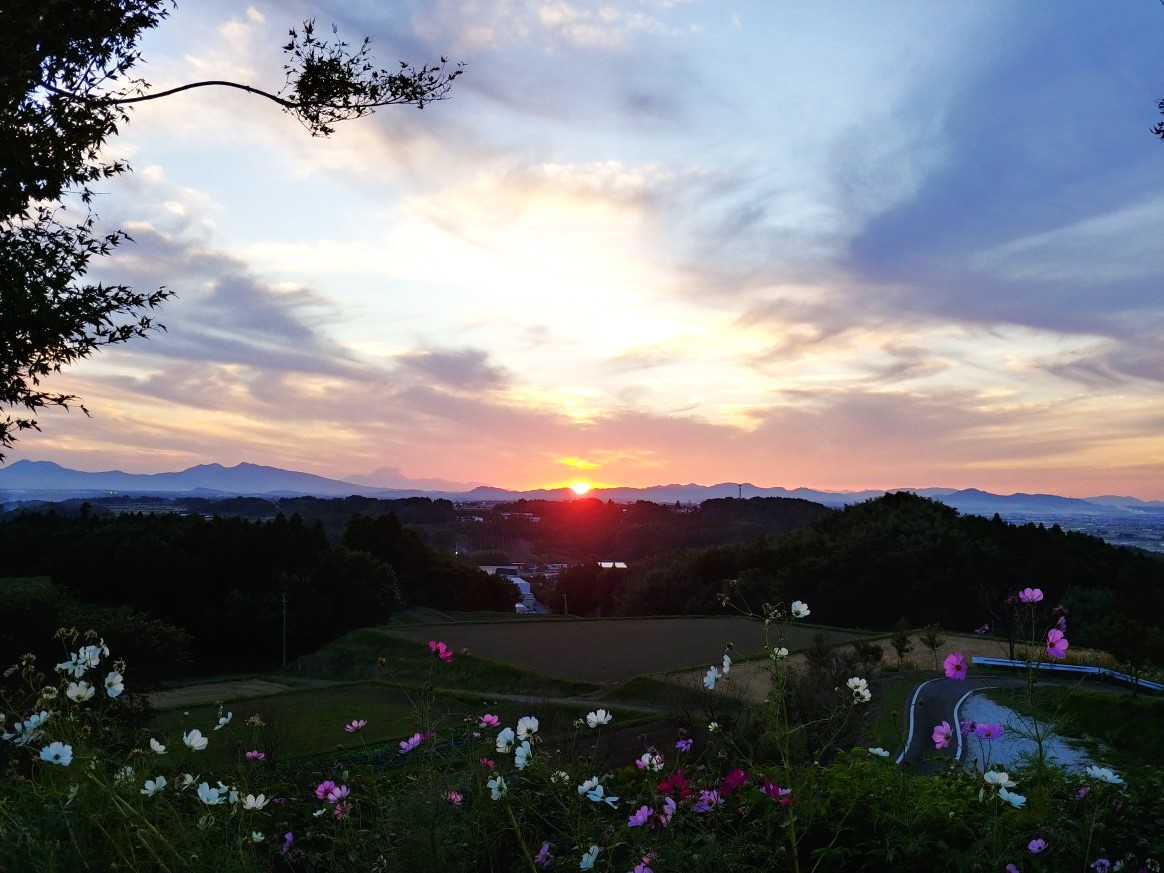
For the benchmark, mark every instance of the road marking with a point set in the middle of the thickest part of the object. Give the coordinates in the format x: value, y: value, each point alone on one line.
x: 912, y: 705
x: 958, y: 721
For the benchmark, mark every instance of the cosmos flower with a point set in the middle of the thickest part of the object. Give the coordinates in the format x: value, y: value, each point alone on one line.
x: 598, y: 717
x: 954, y: 666
x: 1030, y: 595
x: 799, y: 609
x: 57, y: 753
x: 942, y: 734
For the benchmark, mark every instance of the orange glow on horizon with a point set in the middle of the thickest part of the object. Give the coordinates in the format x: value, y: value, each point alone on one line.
x: 580, y: 488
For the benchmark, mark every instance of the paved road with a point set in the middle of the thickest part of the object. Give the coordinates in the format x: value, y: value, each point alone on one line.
x: 933, y: 702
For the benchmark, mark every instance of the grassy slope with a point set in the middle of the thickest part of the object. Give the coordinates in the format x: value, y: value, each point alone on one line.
x: 356, y: 655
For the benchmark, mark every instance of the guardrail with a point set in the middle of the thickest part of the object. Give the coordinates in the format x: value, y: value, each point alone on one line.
x: 1070, y: 668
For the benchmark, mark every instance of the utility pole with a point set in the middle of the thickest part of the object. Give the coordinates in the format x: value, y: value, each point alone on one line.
x: 284, y: 598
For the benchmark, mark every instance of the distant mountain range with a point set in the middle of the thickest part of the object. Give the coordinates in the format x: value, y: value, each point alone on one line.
x: 45, y: 480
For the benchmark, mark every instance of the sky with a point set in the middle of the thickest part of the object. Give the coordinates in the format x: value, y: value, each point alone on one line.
x: 839, y: 245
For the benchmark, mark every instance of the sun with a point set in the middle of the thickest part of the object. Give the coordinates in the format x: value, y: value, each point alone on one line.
x: 580, y: 487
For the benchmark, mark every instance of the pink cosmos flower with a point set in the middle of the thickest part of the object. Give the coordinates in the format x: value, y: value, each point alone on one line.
x: 781, y: 795
x: 942, y: 735
x: 440, y: 650
x: 968, y: 727
x: 1030, y: 595
x: 1036, y: 846
x: 676, y: 784
x: 323, y: 788
x: 1062, y: 624
x: 734, y: 781
x: 988, y: 731
x: 338, y: 793
x: 640, y: 817
x: 256, y: 755
x: 708, y: 800
x: 669, y: 806
x: 543, y: 858
x: 355, y: 725
x: 342, y: 810
x: 1082, y: 792
x: 985, y: 629
x: 1056, y: 644
x: 491, y: 721
x: 1011, y: 868
x: 456, y: 798
x: 411, y: 743
x: 487, y: 763
x: 955, y: 666
x: 683, y: 745
x: 288, y: 839
x: 1101, y: 865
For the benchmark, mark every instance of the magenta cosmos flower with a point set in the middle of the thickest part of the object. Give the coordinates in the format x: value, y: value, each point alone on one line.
x: 955, y: 666
x: 411, y: 743
x: 1030, y: 595
x: 256, y: 755
x: 440, y: 650
x: 488, y: 720
x: 1036, y: 846
x: 1056, y: 644
x: 988, y: 731
x: 355, y: 725
x: 942, y: 734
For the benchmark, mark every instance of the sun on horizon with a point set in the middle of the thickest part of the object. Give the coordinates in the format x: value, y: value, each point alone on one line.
x: 580, y: 487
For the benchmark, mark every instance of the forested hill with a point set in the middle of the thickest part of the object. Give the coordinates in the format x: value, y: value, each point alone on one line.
x: 222, y: 580
x: 902, y: 555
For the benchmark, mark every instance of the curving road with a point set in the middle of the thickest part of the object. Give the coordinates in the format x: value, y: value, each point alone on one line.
x: 933, y: 702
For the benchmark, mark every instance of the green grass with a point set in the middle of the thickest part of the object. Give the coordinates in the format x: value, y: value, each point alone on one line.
x: 355, y: 656
x: 309, y: 722
x: 891, y: 722
x: 11, y: 586
x: 1124, y: 726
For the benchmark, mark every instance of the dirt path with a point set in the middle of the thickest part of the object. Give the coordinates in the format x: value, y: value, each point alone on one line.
x: 212, y: 692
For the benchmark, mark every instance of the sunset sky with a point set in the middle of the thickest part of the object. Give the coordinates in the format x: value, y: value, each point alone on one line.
x: 831, y: 244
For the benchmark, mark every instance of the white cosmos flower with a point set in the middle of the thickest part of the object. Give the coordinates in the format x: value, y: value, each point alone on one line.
x: 780, y: 654
x: 527, y: 726
x: 712, y: 727
x: 598, y: 795
x: 879, y: 752
x: 75, y: 665
x: 1103, y: 774
x: 588, y: 785
x: 521, y: 755
x: 588, y: 858
x: 195, y: 740
x: 79, y: 691
x: 57, y: 753
x: 727, y: 663
x: 800, y: 609
x: 114, y: 684
x: 224, y: 721
x: 187, y: 780
x: 594, y: 719
x: 91, y: 655
x: 497, y: 787
x: 210, y: 796
x: 157, y: 747
x: 860, y: 689
x: 1015, y: 800
x: 252, y: 802
x: 505, y: 740
x: 711, y: 677
x: 153, y: 786
x: 49, y: 692
x: 998, y: 779
x: 256, y: 836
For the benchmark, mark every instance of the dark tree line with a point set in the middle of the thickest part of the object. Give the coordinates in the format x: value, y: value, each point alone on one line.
x: 222, y: 580
x: 903, y: 555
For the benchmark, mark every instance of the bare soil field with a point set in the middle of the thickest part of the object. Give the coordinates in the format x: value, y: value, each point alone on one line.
x: 608, y: 651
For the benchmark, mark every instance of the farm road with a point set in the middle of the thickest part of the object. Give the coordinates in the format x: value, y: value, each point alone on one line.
x: 937, y: 700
